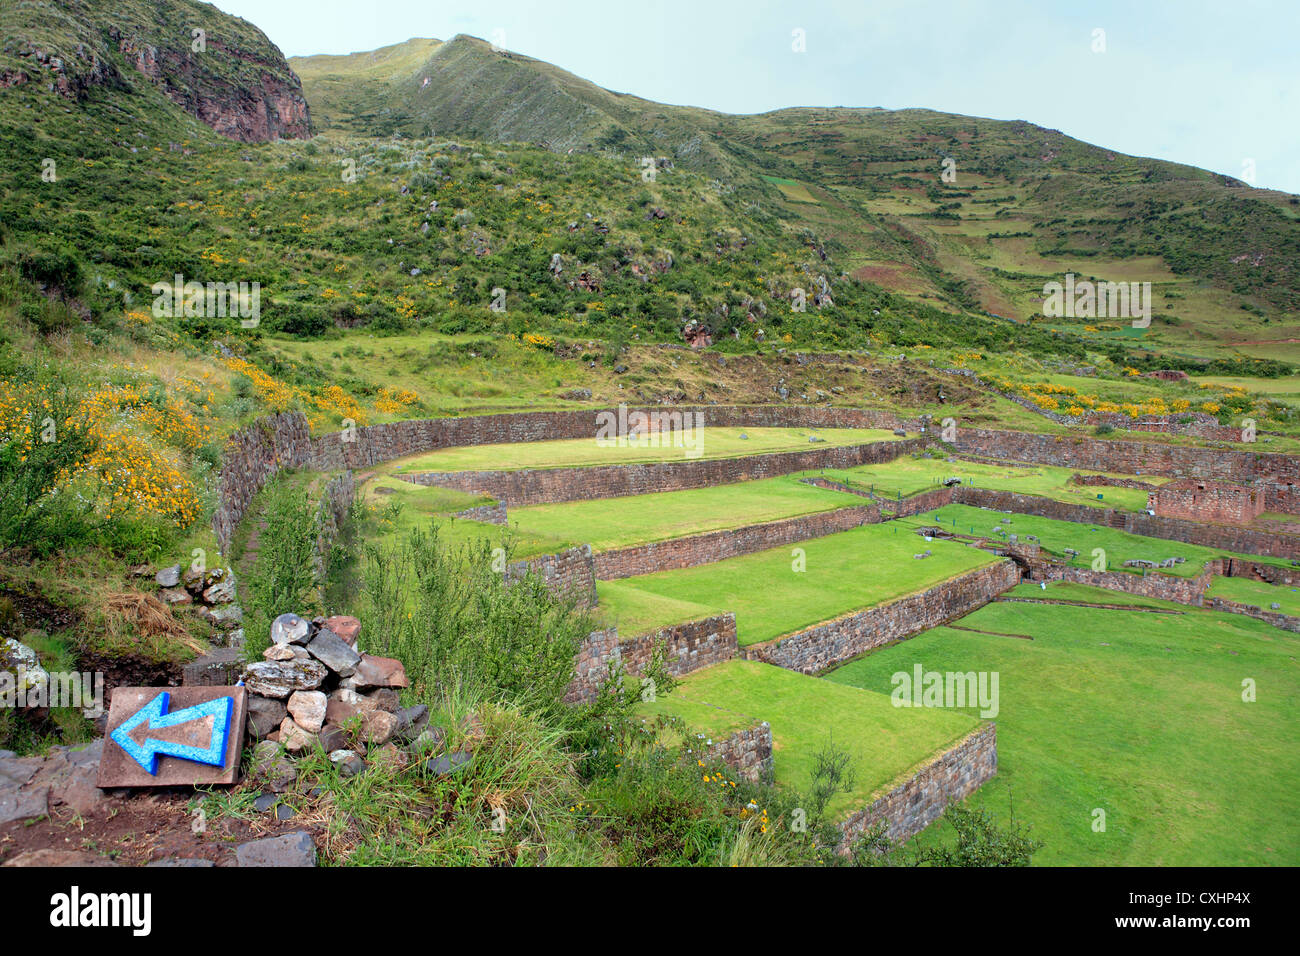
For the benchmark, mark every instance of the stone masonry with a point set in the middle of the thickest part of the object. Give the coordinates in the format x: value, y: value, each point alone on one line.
x: 911, y: 806
x: 816, y: 648
x: 692, y: 550
x: 525, y: 487
x: 1202, y: 499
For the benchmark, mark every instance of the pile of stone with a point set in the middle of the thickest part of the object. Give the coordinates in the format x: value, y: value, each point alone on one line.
x: 1166, y: 563
x: 211, y: 593
x: 315, y: 687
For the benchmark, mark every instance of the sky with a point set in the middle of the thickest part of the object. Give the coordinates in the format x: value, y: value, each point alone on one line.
x: 1210, y: 84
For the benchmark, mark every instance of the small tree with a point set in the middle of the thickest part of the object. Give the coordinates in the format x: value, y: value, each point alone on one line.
x: 832, y: 773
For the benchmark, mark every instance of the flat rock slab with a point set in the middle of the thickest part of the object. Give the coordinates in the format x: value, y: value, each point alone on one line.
x: 117, y: 768
x: 292, y: 849
x: 62, y: 858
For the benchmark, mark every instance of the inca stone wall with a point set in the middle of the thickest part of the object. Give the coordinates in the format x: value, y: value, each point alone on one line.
x: 692, y: 550
x: 1240, y: 540
x: 916, y: 504
x: 1258, y: 571
x: 569, y: 574
x: 1166, y: 587
x: 823, y: 645
x: 686, y: 647
x: 495, y: 513
x: 591, y: 665
x: 336, y: 500
x: 251, y: 457
x: 747, y: 752
x: 1126, y: 457
x: 1220, y: 502
x: 1275, y: 618
x: 549, y: 485
x: 371, y: 445
x: 912, y: 806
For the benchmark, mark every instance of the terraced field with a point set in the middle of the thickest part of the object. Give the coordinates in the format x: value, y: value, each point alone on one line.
x: 705, y: 442
x: 1134, y: 713
x: 1056, y: 536
x: 841, y: 573
x: 618, y: 522
x: 914, y: 474
x: 886, y: 742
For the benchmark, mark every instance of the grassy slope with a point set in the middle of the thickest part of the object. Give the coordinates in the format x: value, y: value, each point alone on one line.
x: 1055, y: 536
x: 885, y: 742
x: 844, y: 572
x: 400, y: 506
x: 1029, y: 203
x: 677, y: 446
x: 1258, y: 593
x: 619, y: 522
x: 908, y: 476
x: 1139, y: 714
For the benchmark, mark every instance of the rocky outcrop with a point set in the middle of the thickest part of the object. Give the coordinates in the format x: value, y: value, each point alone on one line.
x: 219, y: 69
x: 265, y: 104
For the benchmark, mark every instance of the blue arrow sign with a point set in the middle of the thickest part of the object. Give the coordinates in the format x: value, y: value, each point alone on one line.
x: 155, y: 715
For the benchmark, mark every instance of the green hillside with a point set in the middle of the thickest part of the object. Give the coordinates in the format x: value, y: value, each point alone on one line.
x: 1027, y: 204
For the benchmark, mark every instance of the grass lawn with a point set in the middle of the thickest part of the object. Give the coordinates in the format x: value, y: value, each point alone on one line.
x: 886, y: 742
x: 844, y: 572
x: 573, y: 452
x: 1087, y: 594
x: 1135, y: 713
x: 1055, y: 536
x: 911, y: 475
x: 401, y: 505
x: 618, y: 522
x: 1259, y: 593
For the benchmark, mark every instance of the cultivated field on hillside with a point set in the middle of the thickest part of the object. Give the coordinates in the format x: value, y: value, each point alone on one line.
x: 1134, y: 713
x: 771, y: 597
x: 886, y: 742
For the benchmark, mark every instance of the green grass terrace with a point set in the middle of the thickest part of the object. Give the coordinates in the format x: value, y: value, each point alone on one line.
x: 1056, y: 536
x: 914, y: 474
x: 1137, y: 712
x: 771, y: 596
x: 703, y: 443
x: 887, y: 743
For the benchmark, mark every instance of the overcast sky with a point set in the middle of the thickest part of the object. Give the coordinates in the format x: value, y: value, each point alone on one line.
x: 1211, y: 84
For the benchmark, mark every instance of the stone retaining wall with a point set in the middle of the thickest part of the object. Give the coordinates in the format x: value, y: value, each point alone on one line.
x: 495, y: 513
x: 1109, y: 482
x: 1283, y: 497
x: 747, y: 752
x: 1166, y: 587
x: 1275, y: 618
x: 925, y: 501
x: 686, y: 647
x: 370, y: 445
x: 252, y: 456
x: 912, y: 806
x: 591, y: 665
x: 335, y: 503
x: 569, y: 574
x: 1126, y: 457
x: 824, y: 645
x: 1268, y: 573
x: 549, y: 485
x: 696, y: 549
x: 1240, y: 540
